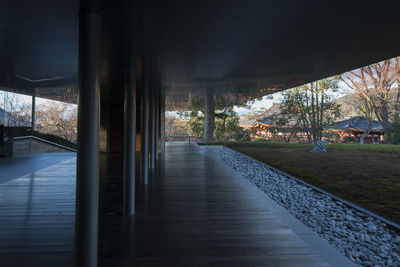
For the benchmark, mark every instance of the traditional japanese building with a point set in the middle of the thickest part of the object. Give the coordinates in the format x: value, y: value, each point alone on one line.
x: 349, y: 130
x: 352, y: 129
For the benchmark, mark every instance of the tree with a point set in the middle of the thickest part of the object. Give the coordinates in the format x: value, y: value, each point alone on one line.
x: 310, y: 107
x: 195, y: 122
x: 176, y: 126
x: 377, y: 88
x: 281, y: 123
x: 52, y: 117
x: 18, y: 111
x: 57, y: 118
x: 363, y: 103
x: 226, y: 123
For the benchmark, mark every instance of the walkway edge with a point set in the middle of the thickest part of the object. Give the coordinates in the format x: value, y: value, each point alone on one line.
x: 313, y: 240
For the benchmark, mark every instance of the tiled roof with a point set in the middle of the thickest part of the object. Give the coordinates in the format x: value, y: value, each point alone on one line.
x: 359, y: 123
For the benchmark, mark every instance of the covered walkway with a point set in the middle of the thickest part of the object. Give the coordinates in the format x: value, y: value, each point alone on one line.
x: 193, y: 213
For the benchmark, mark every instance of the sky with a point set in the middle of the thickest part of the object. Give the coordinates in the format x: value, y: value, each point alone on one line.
x: 267, y: 102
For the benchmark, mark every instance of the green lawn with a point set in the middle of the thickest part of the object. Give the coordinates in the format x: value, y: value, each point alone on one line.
x: 367, y: 175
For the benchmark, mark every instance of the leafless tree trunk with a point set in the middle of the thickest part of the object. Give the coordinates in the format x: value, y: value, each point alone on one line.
x: 374, y: 87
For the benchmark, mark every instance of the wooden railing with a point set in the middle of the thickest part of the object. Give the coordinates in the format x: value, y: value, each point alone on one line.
x: 31, y: 137
x: 189, y: 137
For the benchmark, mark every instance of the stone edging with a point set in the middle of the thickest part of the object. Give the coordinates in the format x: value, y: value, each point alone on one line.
x: 362, y: 236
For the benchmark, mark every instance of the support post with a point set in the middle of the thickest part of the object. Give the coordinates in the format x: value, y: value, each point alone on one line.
x: 130, y: 113
x: 162, y: 122
x: 87, y: 168
x: 33, y: 113
x: 153, y: 128
x: 129, y: 141
x: 209, y: 117
x: 144, y: 130
x: 157, y: 123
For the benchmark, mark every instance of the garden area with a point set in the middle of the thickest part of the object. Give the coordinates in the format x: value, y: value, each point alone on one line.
x: 366, y: 175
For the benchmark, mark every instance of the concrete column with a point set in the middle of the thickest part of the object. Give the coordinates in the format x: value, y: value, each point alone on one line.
x: 209, y: 117
x: 162, y: 122
x: 144, y: 130
x: 153, y: 128
x: 129, y: 141
x: 130, y: 36
x: 87, y: 168
x: 157, y: 123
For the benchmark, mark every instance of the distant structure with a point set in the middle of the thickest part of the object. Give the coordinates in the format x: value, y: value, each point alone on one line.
x: 261, y: 128
x: 343, y: 131
x: 350, y: 128
x: 265, y: 131
x: 355, y: 127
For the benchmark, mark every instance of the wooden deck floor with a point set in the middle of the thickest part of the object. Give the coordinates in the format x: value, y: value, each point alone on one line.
x: 37, y: 215
x: 193, y: 214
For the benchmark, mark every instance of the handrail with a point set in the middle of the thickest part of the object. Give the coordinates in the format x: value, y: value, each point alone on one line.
x: 180, y: 136
x: 43, y: 140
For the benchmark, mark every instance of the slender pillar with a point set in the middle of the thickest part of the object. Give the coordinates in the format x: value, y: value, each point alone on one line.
x: 209, y: 117
x: 87, y: 169
x: 158, y: 112
x: 162, y: 122
x: 130, y: 113
x: 144, y: 132
x: 129, y: 141
x: 153, y: 129
x: 33, y: 113
x: 157, y: 122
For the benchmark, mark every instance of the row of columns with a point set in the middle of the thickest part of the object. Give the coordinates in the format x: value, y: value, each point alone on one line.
x: 87, y: 172
x: 149, y: 130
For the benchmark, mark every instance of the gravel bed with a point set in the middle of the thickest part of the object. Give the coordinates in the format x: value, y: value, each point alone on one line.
x: 365, y: 240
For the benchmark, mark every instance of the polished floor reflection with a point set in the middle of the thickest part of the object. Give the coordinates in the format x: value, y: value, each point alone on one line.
x: 37, y: 210
x: 192, y: 214
x: 195, y: 214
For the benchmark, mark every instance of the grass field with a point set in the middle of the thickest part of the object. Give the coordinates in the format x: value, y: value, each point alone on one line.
x: 367, y: 175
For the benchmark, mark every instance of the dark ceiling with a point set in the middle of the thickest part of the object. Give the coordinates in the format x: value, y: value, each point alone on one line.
x: 248, y: 47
